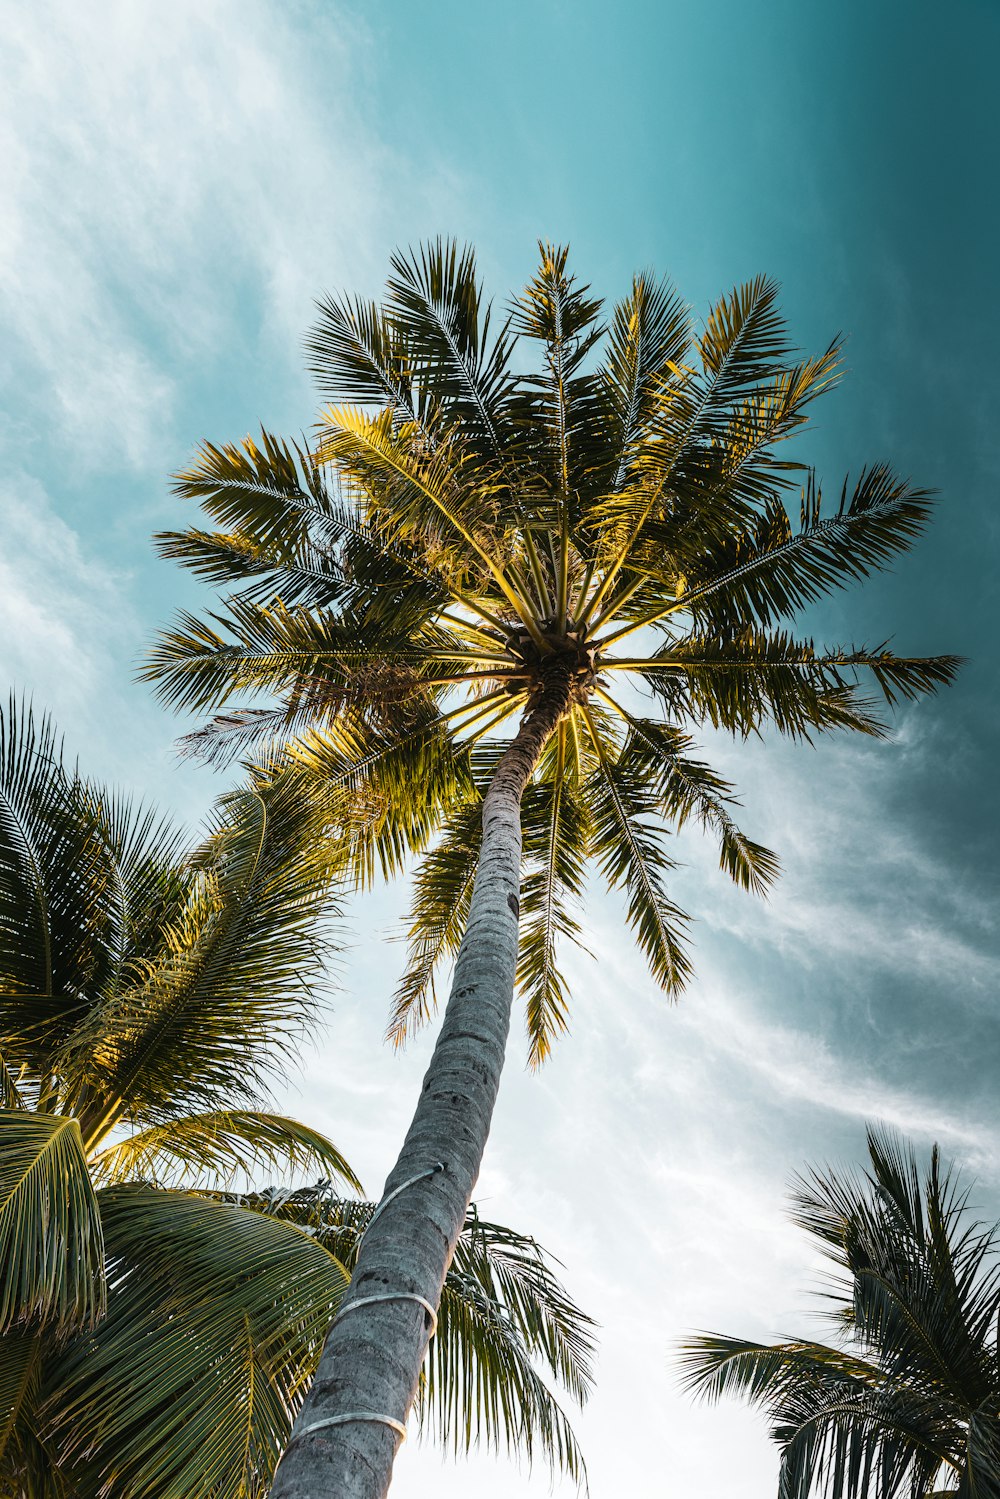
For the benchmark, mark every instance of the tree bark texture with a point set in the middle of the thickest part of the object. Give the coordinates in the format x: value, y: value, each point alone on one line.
x: 370, y: 1364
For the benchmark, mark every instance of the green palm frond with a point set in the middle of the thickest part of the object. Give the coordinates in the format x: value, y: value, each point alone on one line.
x: 50, y: 868
x: 27, y: 1469
x: 51, y: 1246
x: 439, y: 908
x: 235, y: 972
x: 555, y: 823
x: 435, y: 305
x: 744, y: 682
x: 190, y: 1383
x: 220, y: 1145
x: 627, y: 845
x: 357, y: 357
x: 648, y: 341
x: 689, y: 789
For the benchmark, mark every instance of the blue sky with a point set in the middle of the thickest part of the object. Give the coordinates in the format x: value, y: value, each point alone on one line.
x: 179, y: 182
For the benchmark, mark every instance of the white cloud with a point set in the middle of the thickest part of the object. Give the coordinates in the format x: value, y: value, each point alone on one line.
x: 170, y: 171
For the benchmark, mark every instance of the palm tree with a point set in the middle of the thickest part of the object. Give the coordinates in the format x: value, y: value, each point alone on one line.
x: 158, y: 1334
x: 484, y: 611
x: 908, y: 1399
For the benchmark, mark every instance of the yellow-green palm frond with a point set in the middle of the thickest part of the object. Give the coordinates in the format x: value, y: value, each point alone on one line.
x: 221, y: 1146
x: 51, y: 1245
x: 214, y: 1011
x: 190, y: 1383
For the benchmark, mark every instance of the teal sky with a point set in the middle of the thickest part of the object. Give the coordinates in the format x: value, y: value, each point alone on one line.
x: 179, y: 182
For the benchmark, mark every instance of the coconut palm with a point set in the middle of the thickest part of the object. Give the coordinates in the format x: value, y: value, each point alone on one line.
x: 907, y: 1401
x: 157, y: 1334
x: 483, y: 613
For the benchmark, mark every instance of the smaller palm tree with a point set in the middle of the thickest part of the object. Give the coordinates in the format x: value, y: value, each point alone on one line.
x: 157, y: 1334
x: 907, y: 1401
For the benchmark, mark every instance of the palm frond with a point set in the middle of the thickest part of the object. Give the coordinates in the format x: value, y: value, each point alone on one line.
x: 220, y: 1145
x: 51, y: 1246
x: 628, y: 848
x: 214, y: 1326
x: 439, y: 907
x: 688, y: 788
x: 219, y: 1005
x: 555, y: 824
x: 907, y: 1406
x: 503, y: 1311
x: 743, y: 682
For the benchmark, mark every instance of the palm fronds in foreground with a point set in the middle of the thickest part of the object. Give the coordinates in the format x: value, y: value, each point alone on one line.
x: 156, y: 1334
x: 906, y: 1401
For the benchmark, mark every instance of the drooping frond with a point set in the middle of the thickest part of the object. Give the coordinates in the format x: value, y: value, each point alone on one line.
x: 439, y: 907
x: 51, y: 1246
x: 689, y: 789
x: 555, y: 822
x: 214, y: 1324
x: 221, y: 1145
x: 627, y: 846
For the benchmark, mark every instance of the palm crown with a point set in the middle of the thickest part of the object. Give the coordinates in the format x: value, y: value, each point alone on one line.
x: 906, y: 1401
x: 157, y: 1332
x: 467, y: 536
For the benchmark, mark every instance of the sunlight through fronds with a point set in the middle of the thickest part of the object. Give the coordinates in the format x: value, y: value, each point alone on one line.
x: 486, y: 495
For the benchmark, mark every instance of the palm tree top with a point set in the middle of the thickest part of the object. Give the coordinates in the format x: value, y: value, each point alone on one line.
x: 906, y: 1400
x: 496, y: 509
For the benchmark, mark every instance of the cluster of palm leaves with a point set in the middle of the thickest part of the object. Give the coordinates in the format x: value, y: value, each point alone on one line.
x: 158, y: 1331
x: 484, y: 502
x: 907, y: 1401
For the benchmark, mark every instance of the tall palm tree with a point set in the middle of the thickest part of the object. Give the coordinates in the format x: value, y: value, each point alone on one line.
x: 907, y: 1402
x: 157, y: 1334
x: 484, y: 611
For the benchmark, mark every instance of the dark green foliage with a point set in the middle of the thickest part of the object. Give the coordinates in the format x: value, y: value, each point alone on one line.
x: 906, y: 1401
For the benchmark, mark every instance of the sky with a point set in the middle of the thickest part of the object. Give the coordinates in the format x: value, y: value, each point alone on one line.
x: 179, y: 183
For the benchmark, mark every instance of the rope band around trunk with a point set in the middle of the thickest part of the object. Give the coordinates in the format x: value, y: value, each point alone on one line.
x: 352, y: 1306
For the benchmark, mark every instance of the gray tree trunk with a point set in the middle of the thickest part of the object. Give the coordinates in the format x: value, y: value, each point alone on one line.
x: 371, y: 1360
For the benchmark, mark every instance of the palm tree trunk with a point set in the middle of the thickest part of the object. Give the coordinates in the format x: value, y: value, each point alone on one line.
x: 341, y: 1445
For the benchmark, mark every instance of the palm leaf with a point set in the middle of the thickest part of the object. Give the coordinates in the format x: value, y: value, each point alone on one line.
x: 218, y: 1007
x: 221, y: 1144
x: 442, y: 890
x: 51, y: 1244
x: 628, y: 848
x: 555, y: 825
x: 191, y: 1382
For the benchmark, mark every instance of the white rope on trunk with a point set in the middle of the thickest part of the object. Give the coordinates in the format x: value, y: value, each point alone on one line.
x: 352, y: 1306
x: 411, y: 1181
x: 342, y: 1420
